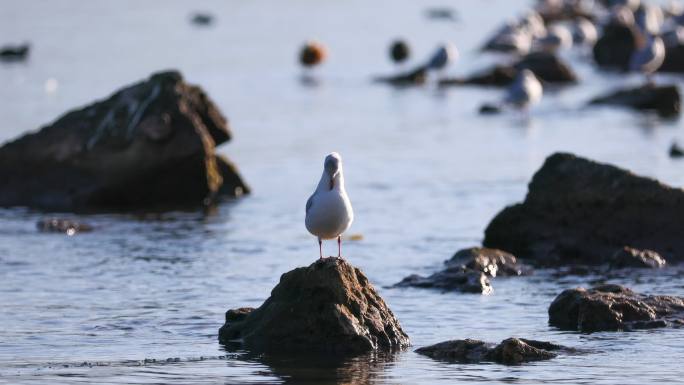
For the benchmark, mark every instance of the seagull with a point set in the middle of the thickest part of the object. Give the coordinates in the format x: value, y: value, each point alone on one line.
x: 445, y: 55
x: 558, y: 37
x: 328, y: 211
x: 526, y: 90
x: 649, y: 57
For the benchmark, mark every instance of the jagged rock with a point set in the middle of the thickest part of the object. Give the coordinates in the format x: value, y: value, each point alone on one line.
x: 60, y: 225
x: 631, y: 257
x: 613, y: 307
x: 665, y: 100
x: 492, y: 262
x: 328, y: 307
x: 453, y: 278
x: 511, y: 351
x: 580, y: 211
x: 546, y: 66
x: 416, y: 76
x: 149, y: 145
x: 615, y: 47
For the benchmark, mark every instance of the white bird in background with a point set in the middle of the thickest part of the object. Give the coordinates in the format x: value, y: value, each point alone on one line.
x: 649, y: 57
x: 525, y: 91
x: 558, y: 37
x: 584, y: 32
x: 328, y: 211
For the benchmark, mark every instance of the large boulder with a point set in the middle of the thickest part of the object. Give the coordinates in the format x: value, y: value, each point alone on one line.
x: 613, y: 307
x: 149, y: 144
x: 328, y: 307
x: 664, y: 100
x: 580, y: 211
x: 511, y: 351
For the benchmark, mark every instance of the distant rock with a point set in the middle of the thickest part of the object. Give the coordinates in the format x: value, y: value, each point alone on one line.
x: 148, y: 146
x: 615, y: 46
x: 676, y: 151
x: 492, y: 262
x: 511, y: 351
x: 202, y: 19
x: 453, y: 278
x: 413, y: 77
x: 630, y: 257
x: 328, y: 307
x: 578, y: 211
x: 10, y: 53
x: 664, y: 100
x: 61, y: 225
x: 613, y: 307
x: 489, y: 109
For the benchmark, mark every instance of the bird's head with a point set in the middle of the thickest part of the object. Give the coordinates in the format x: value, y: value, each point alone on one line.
x: 333, y: 167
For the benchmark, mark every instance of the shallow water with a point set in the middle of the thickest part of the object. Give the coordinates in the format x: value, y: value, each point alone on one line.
x: 140, y: 299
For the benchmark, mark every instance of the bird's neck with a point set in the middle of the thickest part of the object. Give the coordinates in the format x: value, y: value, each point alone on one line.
x: 325, y: 183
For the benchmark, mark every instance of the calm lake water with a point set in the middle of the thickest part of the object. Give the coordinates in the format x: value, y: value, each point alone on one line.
x: 140, y: 299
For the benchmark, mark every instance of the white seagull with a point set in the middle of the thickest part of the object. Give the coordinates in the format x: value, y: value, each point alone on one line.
x: 526, y: 90
x: 328, y: 211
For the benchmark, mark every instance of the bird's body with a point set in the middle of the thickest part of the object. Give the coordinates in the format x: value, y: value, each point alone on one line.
x: 525, y: 91
x: 328, y: 211
x: 445, y: 55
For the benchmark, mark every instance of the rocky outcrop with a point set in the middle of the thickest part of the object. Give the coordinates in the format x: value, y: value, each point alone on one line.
x: 613, y: 307
x: 149, y: 145
x: 580, y: 211
x: 328, y: 307
x: 453, y: 278
x: 511, y: 351
x: 61, y: 225
x: 547, y: 67
x: 664, y: 100
x: 629, y: 257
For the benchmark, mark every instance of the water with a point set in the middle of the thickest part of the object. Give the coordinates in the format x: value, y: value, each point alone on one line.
x: 425, y: 173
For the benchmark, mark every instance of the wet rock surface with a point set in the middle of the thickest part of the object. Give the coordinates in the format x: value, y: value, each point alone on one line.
x: 327, y: 307
x: 492, y: 262
x: 61, y: 225
x: 148, y: 145
x: 664, y: 100
x: 511, y: 351
x: 453, y: 278
x: 613, y: 307
x: 578, y: 211
x: 630, y: 257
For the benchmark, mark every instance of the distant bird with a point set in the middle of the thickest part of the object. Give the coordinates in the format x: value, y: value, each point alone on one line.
x: 557, y: 38
x: 328, y: 211
x: 14, y: 53
x: 525, y: 91
x: 312, y: 54
x: 584, y: 32
x: 510, y: 38
x: 445, y: 55
x: 648, y: 57
x: 533, y: 23
x: 399, y: 51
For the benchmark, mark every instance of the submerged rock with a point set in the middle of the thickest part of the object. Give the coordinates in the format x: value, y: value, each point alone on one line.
x: 631, y: 257
x: 665, y: 100
x: 416, y: 76
x: 60, y: 225
x: 580, y: 211
x: 492, y: 262
x: 511, y: 351
x: 149, y: 145
x: 613, y: 307
x: 453, y: 278
x: 328, y: 307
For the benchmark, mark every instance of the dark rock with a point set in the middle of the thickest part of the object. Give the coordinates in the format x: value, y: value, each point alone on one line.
x: 202, y: 19
x: 665, y: 100
x: 453, y: 278
x: 580, y: 211
x: 613, y: 307
x: 238, y: 315
x: 630, y: 257
x: 511, y: 351
x: 546, y: 66
x: 676, y: 151
x: 441, y: 13
x: 489, y: 109
x: 416, y: 76
x: 149, y: 145
x: 328, y: 307
x: 60, y: 225
x: 615, y: 46
x: 674, y: 59
x: 492, y: 262
x: 14, y: 53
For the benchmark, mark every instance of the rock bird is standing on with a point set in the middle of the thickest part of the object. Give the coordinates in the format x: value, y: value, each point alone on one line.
x: 329, y: 211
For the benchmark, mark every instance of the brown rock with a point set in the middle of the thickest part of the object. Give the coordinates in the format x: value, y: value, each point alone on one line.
x: 149, y: 145
x: 453, y: 278
x: 613, y: 307
x: 511, y: 351
x: 488, y: 261
x: 664, y: 100
x: 631, y: 257
x: 328, y: 307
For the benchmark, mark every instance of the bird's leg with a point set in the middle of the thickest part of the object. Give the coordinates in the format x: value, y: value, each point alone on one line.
x: 339, y: 246
x: 320, y: 247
